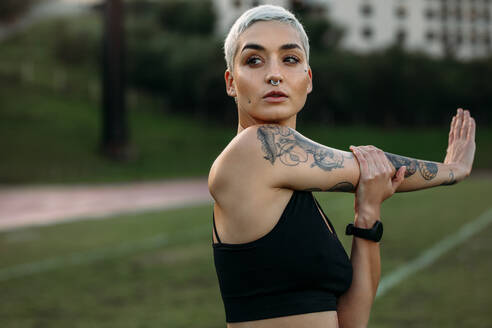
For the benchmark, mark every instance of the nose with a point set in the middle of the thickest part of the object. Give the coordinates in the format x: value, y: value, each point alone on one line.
x: 273, y: 73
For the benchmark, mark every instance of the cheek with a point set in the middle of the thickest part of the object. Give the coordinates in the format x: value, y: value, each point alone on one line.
x: 244, y: 85
x: 302, y: 84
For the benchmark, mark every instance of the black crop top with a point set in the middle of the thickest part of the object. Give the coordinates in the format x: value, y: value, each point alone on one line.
x: 300, y: 266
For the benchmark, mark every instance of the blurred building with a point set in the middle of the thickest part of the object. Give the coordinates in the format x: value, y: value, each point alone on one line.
x: 229, y: 10
x: 462, y: 28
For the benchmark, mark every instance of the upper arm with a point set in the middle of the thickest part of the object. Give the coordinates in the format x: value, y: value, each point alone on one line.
x: 281, y: 157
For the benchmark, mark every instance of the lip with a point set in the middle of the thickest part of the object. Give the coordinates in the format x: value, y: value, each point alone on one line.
x: 275, y: 97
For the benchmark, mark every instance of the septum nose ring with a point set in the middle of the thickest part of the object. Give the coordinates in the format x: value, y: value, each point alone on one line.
x: 274, y: 83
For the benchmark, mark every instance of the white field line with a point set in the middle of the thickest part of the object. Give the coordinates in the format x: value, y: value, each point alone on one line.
x: 432, y: 254
x: 81, y: 258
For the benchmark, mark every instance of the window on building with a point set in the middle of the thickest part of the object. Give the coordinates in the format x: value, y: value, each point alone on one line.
x: 237, y: 3
x: 487, y: 40
x: 473, y: 15
x: 367, y: 32
x: 473, y: 37
x: 445, y: 37
x: 430, y: 36
x: 366, y: 10
x: 458, y: 13
x: 444, y: 12
x: 486, y: 15
x: 401, y: 36
x: 459, y: 38
x: 401, y: 12
x: 430, y: 13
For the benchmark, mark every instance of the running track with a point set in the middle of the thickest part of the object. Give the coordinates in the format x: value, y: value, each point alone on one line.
x: 42, y: 205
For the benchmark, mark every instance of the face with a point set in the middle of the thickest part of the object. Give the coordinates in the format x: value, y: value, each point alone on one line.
x: 269, y: 51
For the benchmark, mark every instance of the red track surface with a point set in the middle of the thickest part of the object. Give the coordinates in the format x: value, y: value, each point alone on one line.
x: 42, y: 205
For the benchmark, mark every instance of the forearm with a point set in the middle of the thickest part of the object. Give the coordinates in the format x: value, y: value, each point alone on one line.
x: 419, y: 174
x: 354, y: 306
x: 422, y: 174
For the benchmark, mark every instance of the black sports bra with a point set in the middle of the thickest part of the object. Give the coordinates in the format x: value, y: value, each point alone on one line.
x: 300, y: 266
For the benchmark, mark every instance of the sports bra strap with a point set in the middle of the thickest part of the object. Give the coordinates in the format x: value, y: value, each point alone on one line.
x: 215, y: 228
x: 325, y: 218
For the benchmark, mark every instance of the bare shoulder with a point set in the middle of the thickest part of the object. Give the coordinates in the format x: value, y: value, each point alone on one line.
x: 238, y: 168
x: 275, y: 156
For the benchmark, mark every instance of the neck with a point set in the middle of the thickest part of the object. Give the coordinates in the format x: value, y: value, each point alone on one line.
x: 249, y: 121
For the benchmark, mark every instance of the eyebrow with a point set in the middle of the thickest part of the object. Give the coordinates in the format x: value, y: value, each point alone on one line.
x: 259, y: 47
x: 253, y: 46
x: 290, y: 46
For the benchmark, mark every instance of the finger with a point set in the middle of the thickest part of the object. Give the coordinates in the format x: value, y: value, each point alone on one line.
x: 390, y: 168
x: 400, y: 176
x: 366, y: 148
x: 374, y: 167
x: 459, y: 122
x: 466, y: 124
x: 362, y: 161
x: 381, y: 160
x: 368, y: 161
x: 451, y: 131
x: 471, y: 130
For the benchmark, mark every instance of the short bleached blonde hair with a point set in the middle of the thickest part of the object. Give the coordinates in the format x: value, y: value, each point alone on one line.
x: 258, y: 14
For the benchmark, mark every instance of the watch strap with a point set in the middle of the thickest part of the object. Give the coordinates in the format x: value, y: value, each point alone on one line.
x: 374, y: 234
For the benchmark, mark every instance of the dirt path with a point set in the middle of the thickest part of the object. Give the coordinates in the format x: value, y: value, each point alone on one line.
x: 43, y: 205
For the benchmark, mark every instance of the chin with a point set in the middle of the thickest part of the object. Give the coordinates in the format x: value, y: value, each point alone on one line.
x: 276, y: 115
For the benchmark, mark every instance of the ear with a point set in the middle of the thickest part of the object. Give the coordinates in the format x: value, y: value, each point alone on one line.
x: 229, y: 80
x: 310, y: 85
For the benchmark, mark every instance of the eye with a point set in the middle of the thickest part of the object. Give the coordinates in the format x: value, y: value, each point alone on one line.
x: 291, y: 59
x: 254, y: 60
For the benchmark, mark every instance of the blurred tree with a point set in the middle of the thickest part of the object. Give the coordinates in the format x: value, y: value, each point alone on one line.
x: 77, y: 48
x: 10, y: 10
x: 187, y: 16
x: 115, y: 129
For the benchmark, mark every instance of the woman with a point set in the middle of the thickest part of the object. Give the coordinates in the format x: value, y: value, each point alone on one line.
x: 278, y: 259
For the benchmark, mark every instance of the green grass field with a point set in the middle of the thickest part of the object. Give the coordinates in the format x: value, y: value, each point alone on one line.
x: 156, y: 269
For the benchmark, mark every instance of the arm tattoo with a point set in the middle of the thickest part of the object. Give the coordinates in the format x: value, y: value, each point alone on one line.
x: 344, y: 186
x: 291, y: 148
x: 451, y: 180
x: 428, y: 170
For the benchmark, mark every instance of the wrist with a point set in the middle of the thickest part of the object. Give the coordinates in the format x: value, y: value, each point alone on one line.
x: 457, y: 172
x: 366, y: 217
x: 365, y: 223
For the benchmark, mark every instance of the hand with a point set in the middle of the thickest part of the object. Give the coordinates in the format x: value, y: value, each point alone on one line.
x: 377, y: 182
x: 461, y: 144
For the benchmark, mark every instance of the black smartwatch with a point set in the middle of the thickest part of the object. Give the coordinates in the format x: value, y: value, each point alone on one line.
x: 374, y: 234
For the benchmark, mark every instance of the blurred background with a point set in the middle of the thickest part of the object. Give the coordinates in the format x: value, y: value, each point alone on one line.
x: 114, y: 111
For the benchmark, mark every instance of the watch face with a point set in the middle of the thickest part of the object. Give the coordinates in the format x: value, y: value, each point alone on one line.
x: 378, y: 230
